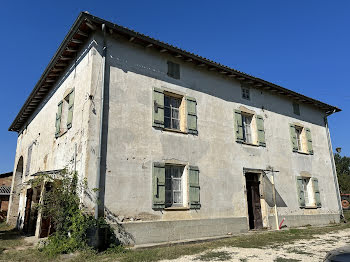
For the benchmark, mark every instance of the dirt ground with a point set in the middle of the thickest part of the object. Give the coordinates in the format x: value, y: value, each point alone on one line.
x: 303, y: 250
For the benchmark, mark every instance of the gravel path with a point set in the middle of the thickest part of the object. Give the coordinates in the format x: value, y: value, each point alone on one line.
x: 303, y: 250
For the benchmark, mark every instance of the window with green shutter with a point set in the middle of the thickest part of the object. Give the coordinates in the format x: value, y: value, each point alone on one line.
x: 58, y: 119
x: 70, y: 109
x: 158, y: 107
x: 316, y: 192
x: 238, y: 126
x: 309, y: 141
x: 173, y: 70
x: 191, y: 115
x: 300, y: 192
x: 194, y: 188
x: 158, y: 185
x: 260, y: 130
x: 293, y: 138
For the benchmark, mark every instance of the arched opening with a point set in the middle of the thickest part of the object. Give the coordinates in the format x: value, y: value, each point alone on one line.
x: 13, y: 218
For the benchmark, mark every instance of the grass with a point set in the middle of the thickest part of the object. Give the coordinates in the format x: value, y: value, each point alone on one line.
x: 11, y: 240
x: 214, y: 256
x: 282, y: 259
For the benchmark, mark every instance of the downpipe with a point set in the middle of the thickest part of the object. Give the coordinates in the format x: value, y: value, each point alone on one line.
x: 334, y: 171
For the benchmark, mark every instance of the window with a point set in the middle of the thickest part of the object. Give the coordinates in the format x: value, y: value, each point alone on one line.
x: 296, y: 108
x: 308, y: 192
x: 172, y: 112
x: 173, y: 70
x: 301, y: 139
x: 247, y: 130
x: 245, y: 93
x: 299, y: 131
x: 173, y: 186
x: 64, y: 115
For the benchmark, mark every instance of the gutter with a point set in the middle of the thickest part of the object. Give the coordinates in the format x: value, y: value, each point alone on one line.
x: 334, y: 171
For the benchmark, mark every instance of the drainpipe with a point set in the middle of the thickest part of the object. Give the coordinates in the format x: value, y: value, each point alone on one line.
x: 99, y: 158
x: 334, y: 171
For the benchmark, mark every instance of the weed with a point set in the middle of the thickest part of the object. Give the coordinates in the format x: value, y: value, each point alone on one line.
x: 214, y: 256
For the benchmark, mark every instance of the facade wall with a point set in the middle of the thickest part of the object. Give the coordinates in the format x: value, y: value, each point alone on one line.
x: 133, y: 144
x: 38, y: 135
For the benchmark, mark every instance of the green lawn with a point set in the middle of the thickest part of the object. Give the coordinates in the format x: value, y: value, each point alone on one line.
x: 12, y: 246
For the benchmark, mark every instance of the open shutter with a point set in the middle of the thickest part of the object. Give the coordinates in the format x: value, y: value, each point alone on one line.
x: 309, y: 141
x: 316, y: 192
x: 158, y: 108
x: 193, y: 181
x: 293, y: 138
x: 260, y: 130
x: 70, y: 109
x: 191, y: 115
x: 239, y: 126
x: 58, y: 118
x: 300, y: 191
x: 158, y: 186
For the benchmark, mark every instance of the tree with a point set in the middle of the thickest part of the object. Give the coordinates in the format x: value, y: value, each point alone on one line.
x: 343, y: 172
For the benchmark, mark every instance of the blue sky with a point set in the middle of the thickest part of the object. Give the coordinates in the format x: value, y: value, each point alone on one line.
x: 301, y: 45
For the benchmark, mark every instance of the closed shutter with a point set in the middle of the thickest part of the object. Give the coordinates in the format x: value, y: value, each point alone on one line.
x: 58, y: 119
x: 191, y: 115
x: 309, y: 141
x: 260, y: 130
x: 158, y: 186
x: 300, y: 191
x: 173, y: 70
x: 316, y: 192
x: 158, y: 108
x: 293, y: 138
x: 239, y: 126
x: 70, y: 109
x: 193, y: 181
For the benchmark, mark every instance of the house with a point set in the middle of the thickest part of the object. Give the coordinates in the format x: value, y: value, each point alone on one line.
x: 180, y: 147
x: 5, y: 189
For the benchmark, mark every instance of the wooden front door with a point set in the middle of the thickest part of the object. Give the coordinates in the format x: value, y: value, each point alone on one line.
x: 28, y: 210
x: 253, y: 199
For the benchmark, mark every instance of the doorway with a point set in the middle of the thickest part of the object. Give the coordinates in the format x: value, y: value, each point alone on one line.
x: 253, y: 200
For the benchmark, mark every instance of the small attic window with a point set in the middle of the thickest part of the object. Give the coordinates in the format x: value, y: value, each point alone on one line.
x: 173, y: 70
x: 296, y: 108
x: 245, y: 93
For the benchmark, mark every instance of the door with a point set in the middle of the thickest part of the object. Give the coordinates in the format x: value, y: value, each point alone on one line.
x: 253, y: 201
x: 28, y: 210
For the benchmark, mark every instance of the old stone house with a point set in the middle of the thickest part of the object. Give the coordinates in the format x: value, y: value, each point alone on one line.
x: 179, y: 146
x: 5, y: 189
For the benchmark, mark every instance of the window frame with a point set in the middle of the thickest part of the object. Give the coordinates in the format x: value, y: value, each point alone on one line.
x: 245, y: 129
x: 182, y: 112
x: 182, y: 182
x: 309, y: 194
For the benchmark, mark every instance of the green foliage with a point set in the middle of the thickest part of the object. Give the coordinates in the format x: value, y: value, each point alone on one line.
x: 73, y: 228
x: 343, y: 172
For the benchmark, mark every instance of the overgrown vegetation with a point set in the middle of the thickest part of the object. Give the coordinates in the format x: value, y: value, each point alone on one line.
x: 343, y: 172
x: 72, y: 227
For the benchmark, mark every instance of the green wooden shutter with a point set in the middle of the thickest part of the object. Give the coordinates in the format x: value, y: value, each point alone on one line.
x: 191, y: 115
x: 193, y: 181
x: 239, y: 126
x: 158, y: 186
x: 260, y: 130
x: 309, y: 141
x: 70, y: 109
x: 293, y: 138
x: 58, y: 118
x: 316, y: 192
x: 158, y: 108
x: 300, y: 191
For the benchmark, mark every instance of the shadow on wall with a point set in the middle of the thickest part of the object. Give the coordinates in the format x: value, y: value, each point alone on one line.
x: 140, y: 62
x: 268, y: 194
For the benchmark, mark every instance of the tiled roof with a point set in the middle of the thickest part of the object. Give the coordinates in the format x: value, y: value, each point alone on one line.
x: 86, y: 24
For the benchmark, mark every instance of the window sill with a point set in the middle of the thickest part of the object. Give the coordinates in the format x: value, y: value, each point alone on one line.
x: 249, y: 144
x: 310, y: 207
x: 302, y: 153
x: 175, y: 131
x: 62, y: 134
x: 176, y: 208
